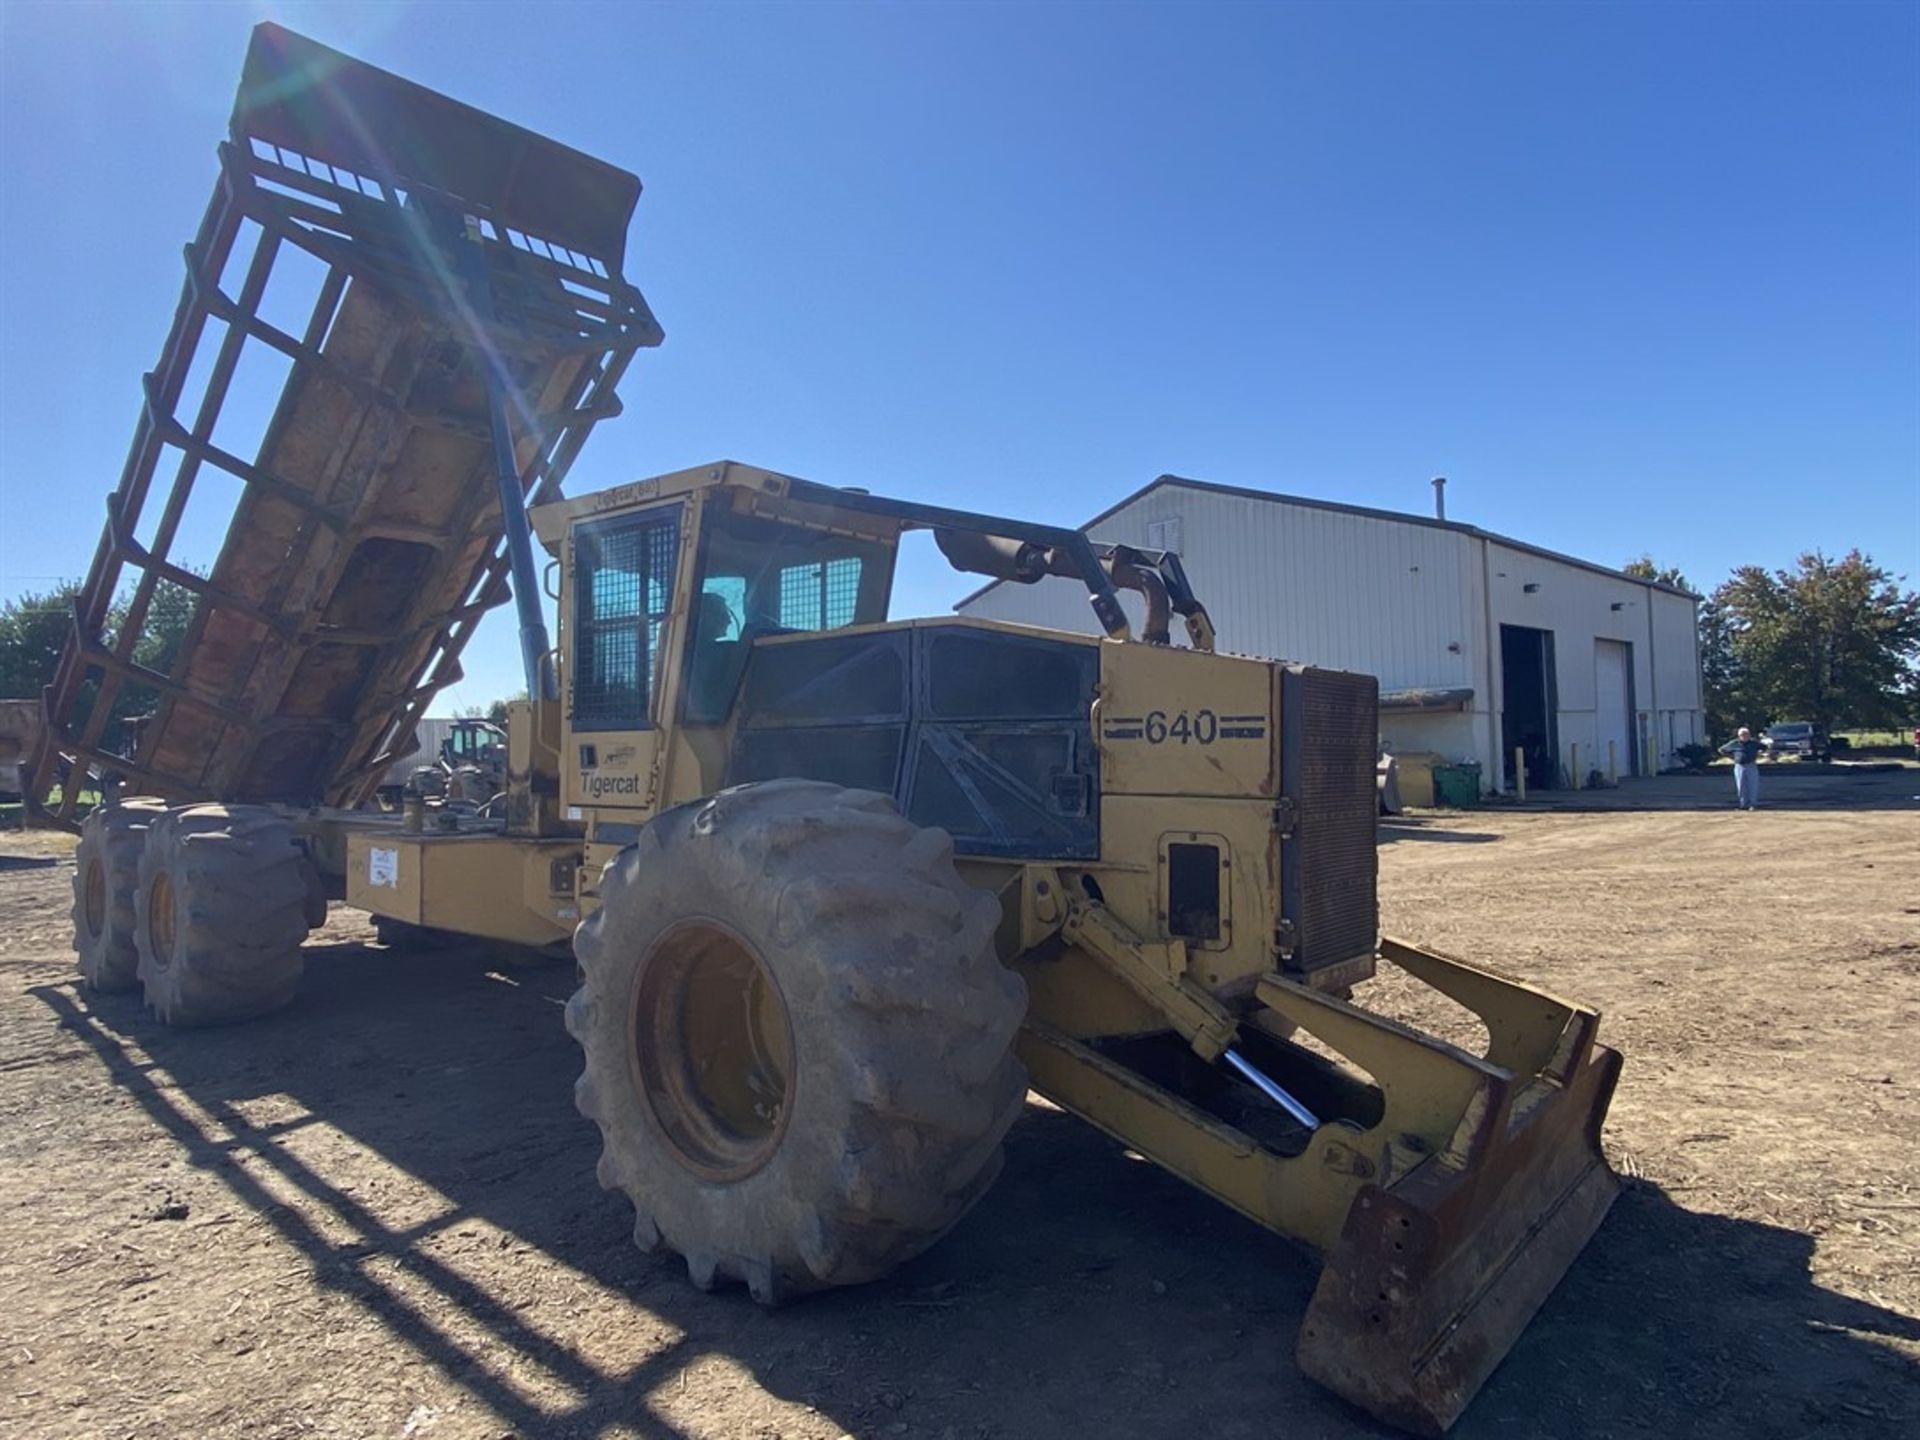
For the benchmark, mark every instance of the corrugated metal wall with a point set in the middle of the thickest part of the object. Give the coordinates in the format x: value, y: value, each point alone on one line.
x: 1294, y: 583
x: 1582, y: 607
x: 1414, y: 604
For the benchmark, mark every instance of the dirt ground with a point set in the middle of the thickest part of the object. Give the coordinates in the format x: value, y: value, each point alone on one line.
x: 375, y: 1214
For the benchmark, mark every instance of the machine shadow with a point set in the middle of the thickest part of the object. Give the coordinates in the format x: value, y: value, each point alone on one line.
x: 1090, y: 1292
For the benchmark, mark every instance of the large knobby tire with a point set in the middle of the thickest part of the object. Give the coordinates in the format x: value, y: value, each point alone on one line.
x: 798, y: 1037
x: 106, y: 872
x: 220, y: 914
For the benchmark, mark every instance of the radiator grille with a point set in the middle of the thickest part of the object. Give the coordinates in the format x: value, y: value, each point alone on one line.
x: 1330, y: 868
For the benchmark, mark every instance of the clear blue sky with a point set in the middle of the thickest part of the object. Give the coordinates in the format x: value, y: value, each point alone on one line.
x: 1636, y: 277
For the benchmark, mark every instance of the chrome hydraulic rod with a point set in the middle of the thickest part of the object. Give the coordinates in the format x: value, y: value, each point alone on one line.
x: 535, y: 656
x: 1267, y: 1087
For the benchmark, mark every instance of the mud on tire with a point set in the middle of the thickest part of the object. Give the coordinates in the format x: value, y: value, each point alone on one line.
x: 106, y: 873
x: 797, y: 1036
x: 219, y: 914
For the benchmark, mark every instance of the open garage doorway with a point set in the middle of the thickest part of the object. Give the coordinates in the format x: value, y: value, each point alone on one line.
x: 1530, y: 705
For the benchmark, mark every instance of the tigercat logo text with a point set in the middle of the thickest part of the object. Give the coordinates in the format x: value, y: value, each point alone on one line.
x: 599, y: 787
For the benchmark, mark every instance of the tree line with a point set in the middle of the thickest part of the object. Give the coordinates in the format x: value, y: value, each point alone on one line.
x: 1835, y: 642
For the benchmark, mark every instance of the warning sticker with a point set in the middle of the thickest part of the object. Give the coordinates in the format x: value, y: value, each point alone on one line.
x: 383, y: 867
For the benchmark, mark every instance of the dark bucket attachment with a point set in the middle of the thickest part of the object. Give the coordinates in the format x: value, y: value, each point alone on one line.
x: 1435, y: 1276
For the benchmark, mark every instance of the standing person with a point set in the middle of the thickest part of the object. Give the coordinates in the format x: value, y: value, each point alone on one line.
x: 1745, y: 751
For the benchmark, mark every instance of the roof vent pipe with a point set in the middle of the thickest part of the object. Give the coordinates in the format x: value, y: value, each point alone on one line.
x: 1439, y: 497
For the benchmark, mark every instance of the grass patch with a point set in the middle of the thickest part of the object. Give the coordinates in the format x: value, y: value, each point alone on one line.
x: 1861, y: 738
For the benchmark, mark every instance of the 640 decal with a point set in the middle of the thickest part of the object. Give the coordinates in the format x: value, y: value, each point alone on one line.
x: 1183, y: 727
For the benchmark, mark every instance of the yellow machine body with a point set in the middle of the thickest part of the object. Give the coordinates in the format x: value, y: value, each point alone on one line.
x: 1448, y: 1190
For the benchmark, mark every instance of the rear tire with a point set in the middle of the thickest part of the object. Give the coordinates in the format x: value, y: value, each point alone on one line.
x: 220, y: 914
x: 798, y: 1037
x: 106, y: 872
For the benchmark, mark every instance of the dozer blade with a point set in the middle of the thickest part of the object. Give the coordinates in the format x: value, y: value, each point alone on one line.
x: 1435, y: 1275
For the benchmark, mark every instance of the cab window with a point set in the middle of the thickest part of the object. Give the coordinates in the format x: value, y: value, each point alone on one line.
x: 760, y: 577
x: 623, y: 591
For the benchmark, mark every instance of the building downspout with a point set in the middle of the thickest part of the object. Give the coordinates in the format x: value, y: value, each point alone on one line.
x: 1496, y: 697
x: 1652, y: 758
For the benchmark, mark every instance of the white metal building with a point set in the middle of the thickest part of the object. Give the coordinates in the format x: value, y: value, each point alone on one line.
x: 1481, y: 643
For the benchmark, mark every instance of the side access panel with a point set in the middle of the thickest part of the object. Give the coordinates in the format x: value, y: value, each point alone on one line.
x: 979, y: 731
x: 517, y: 890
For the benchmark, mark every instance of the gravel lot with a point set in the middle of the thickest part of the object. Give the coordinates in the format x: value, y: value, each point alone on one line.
x: 375, y: 1213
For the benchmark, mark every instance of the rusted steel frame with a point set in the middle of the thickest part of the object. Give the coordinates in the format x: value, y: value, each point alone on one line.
x: 542, y: 481
x: 133, y: 552
x: 156, y: 429
x: 303, y: 352
x: 333, y: 636
x: 445, y: 548
x: 382, y: 230
x: 433, y: 622
x: 99, y: 655
x: 218, y: 225
x: 291, y: 654
x: 196, y: 445
x: 166, y: 786
x: 352, y: 788
x: 252, y: 474
x: 445, y: 543
x: 405, y: 709
x: 458, y: 528
x: 610, y: 289
x: 450, y: 639
x: 599, y: 380
x: 326, y: 304
x: 171, y: 784
x: 573, y: 427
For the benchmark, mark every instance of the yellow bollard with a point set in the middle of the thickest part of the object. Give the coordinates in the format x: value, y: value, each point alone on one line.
x: 1520, y: 773
x: 1613, y: 769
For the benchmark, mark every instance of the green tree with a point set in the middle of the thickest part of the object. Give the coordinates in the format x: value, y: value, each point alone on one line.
x: 33, y: 628
x: 1831, y: 641
x: 1719, y: 666
x: 1644, y: 569
x: 1720, y: 673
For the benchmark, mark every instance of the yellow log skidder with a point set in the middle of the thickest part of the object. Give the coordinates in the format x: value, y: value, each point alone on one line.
x: 841, y: 888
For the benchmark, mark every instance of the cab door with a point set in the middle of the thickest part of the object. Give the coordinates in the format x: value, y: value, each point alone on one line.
x: 619, y: 633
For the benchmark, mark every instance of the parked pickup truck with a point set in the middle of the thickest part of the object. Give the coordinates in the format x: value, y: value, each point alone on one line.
x: 1797, y: 740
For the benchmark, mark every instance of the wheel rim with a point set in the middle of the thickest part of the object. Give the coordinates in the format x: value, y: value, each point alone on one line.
x: 94, y: 898
x: 160, y: 918
x: 712, y: 1049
